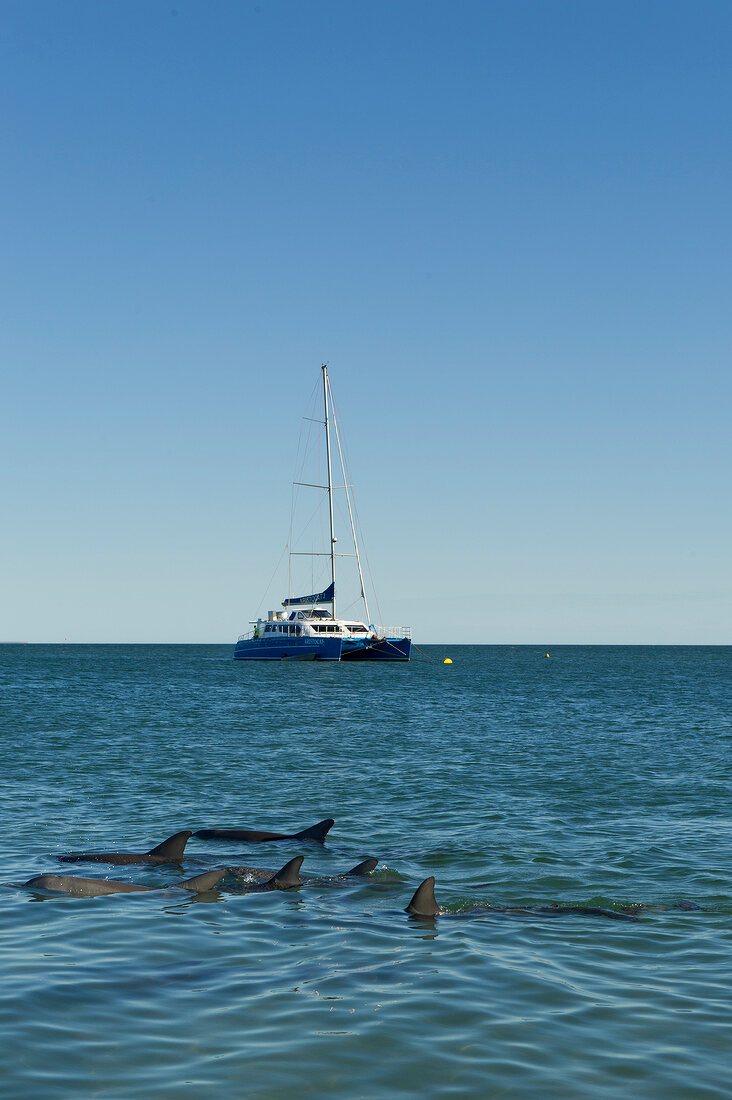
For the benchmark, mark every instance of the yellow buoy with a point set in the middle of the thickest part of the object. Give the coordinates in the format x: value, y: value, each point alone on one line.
x: 546, y: 654
x: 447, y: 661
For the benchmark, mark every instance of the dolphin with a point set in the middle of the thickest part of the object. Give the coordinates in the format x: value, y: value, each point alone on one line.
x: 364, y: 868
x: 423, y: 904
x: 686, y: 905
x: 259, y: 875
x: 287, y: 878
x: 317, y: 833
x: 170, y: 851
x: 94, y: 887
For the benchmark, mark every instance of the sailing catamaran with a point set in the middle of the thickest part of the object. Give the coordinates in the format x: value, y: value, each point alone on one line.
x: 309, y: 631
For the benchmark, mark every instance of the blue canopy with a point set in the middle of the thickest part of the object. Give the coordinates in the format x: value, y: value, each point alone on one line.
x: 318, y: 597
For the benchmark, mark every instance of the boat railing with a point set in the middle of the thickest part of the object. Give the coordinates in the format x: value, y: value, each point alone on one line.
x: 394, y: 631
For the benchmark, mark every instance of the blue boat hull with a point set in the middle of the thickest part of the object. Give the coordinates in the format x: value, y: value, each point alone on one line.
x: 294, y: 649
x: 321, y: 649
x: 390, y: 649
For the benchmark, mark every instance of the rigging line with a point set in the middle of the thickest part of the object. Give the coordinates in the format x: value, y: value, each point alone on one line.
x: 303, y: 445
x: 304, y: 442
x: 308, y: 442
x: 292, y: 513
x: 368, y: 566
x: 312, y: 485
x: 351, y: 609
x: 372, y: 583
x: 310, y: 460
x: 306, y: 434
x: 346, y: 479
x: 304, y: 524
x: 266, y: 591
x: 426, y: 656
x: 361, y: 541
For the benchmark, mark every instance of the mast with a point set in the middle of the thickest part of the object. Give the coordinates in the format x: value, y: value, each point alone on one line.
x: 330, y: 485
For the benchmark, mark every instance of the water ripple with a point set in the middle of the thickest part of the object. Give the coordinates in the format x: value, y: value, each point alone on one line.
x: 600, y: 778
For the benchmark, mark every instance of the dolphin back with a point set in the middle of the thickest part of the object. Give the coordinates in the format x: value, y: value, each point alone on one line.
x: 200, y: 884
x: 173, y: 848
x: 317, y: 832
x: 81, y: 887
x: 423, y: 903
x: 364, y: 868
x: 248, y: 836
x: 599, y: 911
x: 287, y: 877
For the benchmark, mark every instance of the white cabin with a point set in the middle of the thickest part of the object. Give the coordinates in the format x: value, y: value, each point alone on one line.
x: 311, y: 624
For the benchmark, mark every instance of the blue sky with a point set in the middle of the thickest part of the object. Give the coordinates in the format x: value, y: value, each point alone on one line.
x: 504, y: 225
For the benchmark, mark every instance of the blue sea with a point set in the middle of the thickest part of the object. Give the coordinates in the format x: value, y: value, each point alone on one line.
x: 597, y: 776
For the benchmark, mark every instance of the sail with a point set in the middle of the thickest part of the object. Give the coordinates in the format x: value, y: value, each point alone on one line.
x: 318, y: 597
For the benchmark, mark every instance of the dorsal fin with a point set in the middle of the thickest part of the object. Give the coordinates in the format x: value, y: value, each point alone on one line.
x: 364, y: 868
x: 423, y: 903
x: 316, y: 832
x: 173, y: 847
x: 202, y: 883
x: 288, y: 876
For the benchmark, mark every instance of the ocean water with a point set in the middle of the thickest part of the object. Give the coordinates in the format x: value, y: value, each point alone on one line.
x: 601, y: 776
